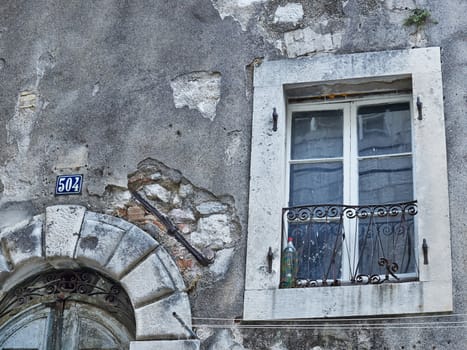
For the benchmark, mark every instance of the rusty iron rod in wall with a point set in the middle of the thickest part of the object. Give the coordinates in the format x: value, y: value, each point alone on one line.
x: 172, y: 230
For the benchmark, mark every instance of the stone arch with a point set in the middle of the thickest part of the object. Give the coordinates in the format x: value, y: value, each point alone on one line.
x: 69, y: 236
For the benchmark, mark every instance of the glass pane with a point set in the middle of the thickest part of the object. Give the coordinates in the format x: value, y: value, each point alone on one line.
x: 385, y: 180
x: 317, y: 183
x: 317, y: 134
x: 384, y: 129
x: 386, y: 245
x: 319, y: 249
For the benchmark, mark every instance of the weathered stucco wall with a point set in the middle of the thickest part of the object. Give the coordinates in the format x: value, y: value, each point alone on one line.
x: 158, y: 95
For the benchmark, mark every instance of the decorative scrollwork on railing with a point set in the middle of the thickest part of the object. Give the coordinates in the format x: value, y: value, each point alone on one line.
x: 331, y: 251
x: 65, y: 284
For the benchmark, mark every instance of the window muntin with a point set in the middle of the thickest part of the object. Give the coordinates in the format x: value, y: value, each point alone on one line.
x: 356, y: 152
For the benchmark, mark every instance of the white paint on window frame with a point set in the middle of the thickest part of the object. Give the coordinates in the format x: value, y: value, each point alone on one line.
x: 433, y: 292
x: 349, y: 161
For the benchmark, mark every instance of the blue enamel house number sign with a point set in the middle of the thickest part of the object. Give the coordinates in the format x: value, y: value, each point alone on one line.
x: 69, y: 184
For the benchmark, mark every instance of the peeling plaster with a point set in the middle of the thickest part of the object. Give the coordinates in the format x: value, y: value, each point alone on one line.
x: 72, y: 158
x: 279, y: 346
x: 224, y: 339
x: 233, y: 149
x: 95, y: 89
x: 241, y: 11
x: 21, y: 124
x: 198, y: 90
x: 46, y: 61
x: 400, y: 4
x: 290, y: 13
x: 305, y: 41
x: 19, y: 173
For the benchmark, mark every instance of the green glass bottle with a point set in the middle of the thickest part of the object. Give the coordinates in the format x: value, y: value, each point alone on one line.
x: 289, y: 265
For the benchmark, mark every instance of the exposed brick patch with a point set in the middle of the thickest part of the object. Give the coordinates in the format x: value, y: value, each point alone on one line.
x: 207, y: 221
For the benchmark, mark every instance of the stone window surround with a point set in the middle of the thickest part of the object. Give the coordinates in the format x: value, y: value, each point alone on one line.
x: 433, y: 292
x: 69, y: 237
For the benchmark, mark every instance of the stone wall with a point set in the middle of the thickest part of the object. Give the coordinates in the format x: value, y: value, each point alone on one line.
x: 208, y: 222
x: 157, y: 97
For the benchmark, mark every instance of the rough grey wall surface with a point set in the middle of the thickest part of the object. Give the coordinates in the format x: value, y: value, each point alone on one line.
x: 97, y: 87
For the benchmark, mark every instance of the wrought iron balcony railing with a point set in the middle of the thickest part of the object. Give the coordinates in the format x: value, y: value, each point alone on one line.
x: 345, y: 244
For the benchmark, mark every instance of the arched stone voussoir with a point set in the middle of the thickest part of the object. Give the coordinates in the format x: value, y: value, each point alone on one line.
x: 62, y: 228
x: 24, y: 242
x: 192, y: 344
x: 69, y: 237
x: 98, y: 241
x: 134, y: 246
x: 167, y: 318
x: 21, y: 252
x: 109, y: 220
x: 170, y: 266
x: 112, y: 245
x: 150, y: 281
x: 153, y: 278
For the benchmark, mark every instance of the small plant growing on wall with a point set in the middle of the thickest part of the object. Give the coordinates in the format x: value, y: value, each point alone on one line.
x: 419, y: 17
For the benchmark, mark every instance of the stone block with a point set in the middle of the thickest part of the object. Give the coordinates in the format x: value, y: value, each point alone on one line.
x: 25, y: 243
x: 155, y: 176
x: 290, y: 13
x: 213, y: 230
x: 222, y: 262
x: 156, y: 191
x: 211, y: 207
x: 143, y: 289
x: 157, y: 320
x: 171, y: 267
x: 165, y: 345
x: 133, y: 247
x: 135, y: 214
x: 97, y: 242
x: 304, y: 41
x: 62, y: 227
x: 4, y: 266
x: 120, y: 198
x: 181, y: 215
x: 185, y: 190
x: 109, y: 220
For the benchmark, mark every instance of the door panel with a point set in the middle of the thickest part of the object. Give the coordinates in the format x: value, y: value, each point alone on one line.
x: 66, y: 309
x: 66, y: 325
x: 27, y: 330
x: 86, y: 327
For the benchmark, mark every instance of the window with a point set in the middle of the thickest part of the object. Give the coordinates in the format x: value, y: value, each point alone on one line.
x: 349, y: 133
x: 354, y: 152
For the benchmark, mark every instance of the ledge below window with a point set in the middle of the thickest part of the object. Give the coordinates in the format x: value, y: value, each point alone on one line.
x: 348, y: 301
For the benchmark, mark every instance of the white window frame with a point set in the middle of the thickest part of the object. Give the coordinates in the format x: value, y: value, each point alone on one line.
x: 268, y: 190
x: 349, y: 159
